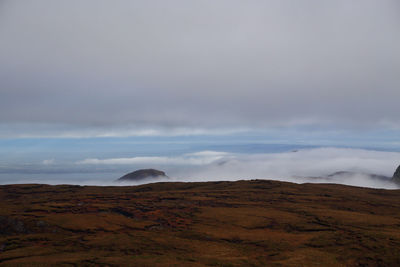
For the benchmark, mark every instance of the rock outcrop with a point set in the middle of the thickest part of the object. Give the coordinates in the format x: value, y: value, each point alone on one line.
x: 396, y: 176
x: 142, y: 174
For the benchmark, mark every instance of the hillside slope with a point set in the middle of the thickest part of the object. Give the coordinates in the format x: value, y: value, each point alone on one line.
x: 244, y: 223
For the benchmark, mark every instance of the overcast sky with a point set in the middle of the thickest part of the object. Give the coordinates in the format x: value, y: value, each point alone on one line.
x: 198, y: 65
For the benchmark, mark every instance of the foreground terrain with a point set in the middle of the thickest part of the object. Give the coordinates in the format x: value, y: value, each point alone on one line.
x: 244, y: 223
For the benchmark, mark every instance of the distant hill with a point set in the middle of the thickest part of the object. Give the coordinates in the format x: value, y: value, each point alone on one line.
x: 142, y: 174
x: 396, y: 175
x: 370, y: 175
x: 349, y: 174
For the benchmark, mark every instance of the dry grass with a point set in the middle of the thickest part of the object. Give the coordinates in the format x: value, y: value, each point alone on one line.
x: 245, y: 223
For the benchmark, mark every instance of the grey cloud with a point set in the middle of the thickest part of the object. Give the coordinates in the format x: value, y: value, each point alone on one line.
x: 200, y: 64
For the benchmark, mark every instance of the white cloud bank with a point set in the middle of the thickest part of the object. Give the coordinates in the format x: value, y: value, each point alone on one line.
x: 312, y: 165
x: 198, y: 158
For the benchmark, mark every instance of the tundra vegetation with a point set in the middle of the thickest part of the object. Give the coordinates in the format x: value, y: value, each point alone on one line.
x: 243, y: 223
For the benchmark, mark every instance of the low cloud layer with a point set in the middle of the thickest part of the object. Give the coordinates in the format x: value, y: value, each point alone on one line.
x: 312, y: 165
x: 183, y: 64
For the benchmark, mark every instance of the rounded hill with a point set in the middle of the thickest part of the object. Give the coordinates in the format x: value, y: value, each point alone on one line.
x: 142, y: 174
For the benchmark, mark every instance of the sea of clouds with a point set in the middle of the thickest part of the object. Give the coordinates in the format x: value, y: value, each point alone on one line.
x: 313, y: 165
x: 299, y: 166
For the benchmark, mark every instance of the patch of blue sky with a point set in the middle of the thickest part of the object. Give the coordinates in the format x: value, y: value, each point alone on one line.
x: 35, y: 150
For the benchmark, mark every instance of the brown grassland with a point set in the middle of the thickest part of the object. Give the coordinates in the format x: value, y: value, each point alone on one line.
x: 244, y: 223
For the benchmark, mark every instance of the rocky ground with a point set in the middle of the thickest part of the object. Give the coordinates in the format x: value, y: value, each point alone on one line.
x: 244, y: 223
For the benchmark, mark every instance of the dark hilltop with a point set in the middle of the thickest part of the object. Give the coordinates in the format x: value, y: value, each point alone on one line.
x: 396, y: 176
x: 142, y: 174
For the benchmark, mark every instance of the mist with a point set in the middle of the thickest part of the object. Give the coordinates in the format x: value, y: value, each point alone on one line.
x: 303, y: 166
x: 318, y: 165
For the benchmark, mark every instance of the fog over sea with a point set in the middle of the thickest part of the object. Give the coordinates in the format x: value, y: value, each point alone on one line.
x: 102, y: 161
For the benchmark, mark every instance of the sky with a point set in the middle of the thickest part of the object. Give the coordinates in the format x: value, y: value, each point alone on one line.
x: 180, y: 77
